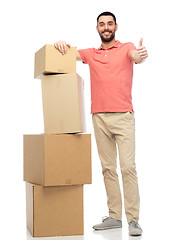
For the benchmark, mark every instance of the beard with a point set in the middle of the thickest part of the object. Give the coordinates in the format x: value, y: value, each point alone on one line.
x: 107, y: 38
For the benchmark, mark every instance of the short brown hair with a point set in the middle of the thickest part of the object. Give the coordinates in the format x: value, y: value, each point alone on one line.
x: 106, y: 14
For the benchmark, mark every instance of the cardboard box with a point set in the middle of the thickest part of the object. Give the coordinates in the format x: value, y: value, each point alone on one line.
x: 54, y: 211
x: 49, y: 60
x: 63, y: 104
x: 54, y: 160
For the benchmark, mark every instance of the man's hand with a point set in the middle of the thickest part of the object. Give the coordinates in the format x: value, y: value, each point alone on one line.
x: 61, y: 46
x: 142, y: 50
x: 140, y: 54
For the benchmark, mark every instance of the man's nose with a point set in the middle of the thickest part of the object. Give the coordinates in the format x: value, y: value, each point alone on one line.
x: 106, y: 26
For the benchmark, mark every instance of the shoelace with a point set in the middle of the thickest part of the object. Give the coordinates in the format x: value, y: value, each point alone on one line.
x: 104, y: 218
x: 136, y: 225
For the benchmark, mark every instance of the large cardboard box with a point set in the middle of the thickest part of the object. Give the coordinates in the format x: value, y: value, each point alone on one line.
x: 54, y: 160
x: 54, y: 211
x: 63, y: 104
x: 49, y: 60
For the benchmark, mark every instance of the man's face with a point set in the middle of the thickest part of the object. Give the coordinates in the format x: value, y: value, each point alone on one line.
x: 106, y: 28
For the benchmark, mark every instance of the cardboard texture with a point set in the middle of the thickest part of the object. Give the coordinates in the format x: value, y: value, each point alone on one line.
x: 63, y: 104
x: 49, y: 60
x: 54, y: 211
x: 54, y: 160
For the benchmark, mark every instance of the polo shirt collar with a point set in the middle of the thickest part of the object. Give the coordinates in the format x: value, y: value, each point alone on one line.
x: 116, y: 45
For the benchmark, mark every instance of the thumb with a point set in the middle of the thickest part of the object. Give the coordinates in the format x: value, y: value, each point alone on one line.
x: 140, y: 42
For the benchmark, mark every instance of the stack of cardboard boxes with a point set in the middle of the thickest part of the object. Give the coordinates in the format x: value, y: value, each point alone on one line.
x: 57, y: 163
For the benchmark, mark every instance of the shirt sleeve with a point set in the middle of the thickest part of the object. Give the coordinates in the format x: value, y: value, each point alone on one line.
x: 131, y: 47
x: 85, y: 55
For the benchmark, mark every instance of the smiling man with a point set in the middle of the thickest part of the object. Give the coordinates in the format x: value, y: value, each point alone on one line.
x: 107, y: 35
x: 111, y: 74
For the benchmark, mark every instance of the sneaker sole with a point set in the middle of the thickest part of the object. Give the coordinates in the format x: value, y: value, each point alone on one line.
x: 107, y: 228
x: 135, y: 234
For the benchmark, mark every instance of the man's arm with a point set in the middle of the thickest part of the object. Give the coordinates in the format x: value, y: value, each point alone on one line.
x: 61, y: 46
x: 140, y: 54
x: 78, y: 56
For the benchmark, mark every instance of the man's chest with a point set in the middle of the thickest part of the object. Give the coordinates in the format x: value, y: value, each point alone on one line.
x: 110, y: 60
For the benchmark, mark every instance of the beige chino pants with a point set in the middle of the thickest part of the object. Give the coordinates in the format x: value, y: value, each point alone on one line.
x: 109, y: 129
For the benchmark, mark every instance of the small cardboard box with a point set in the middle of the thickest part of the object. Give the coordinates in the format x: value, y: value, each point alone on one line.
x: 63, y: 104
x: 55, y: 160
x: 54, y: 211
x: 49, y: 60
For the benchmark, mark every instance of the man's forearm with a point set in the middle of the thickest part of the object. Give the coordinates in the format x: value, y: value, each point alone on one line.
x: 78, y: 58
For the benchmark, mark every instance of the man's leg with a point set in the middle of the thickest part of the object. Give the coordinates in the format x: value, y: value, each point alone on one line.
x: 124, y: 133
x: 106, y: 146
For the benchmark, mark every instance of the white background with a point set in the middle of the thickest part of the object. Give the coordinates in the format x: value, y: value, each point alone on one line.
x: 158, y: 101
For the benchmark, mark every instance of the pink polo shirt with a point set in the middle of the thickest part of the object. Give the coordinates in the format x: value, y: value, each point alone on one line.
x: 111, y: 73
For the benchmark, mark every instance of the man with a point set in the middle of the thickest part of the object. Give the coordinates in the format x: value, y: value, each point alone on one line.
x: 111, y: 73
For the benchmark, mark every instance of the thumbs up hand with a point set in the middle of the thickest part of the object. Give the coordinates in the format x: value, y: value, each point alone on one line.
x: 140, y: 42
x: 142, y: 52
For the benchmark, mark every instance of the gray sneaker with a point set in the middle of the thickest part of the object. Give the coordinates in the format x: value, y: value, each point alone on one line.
x: 134, y: 229
x: 108, y: 223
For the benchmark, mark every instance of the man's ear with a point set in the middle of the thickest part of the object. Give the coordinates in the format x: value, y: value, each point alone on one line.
x: 97, y: 28
x: 116, y: 27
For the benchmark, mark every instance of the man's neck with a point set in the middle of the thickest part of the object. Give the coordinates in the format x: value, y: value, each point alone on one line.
x: 106, y: 45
